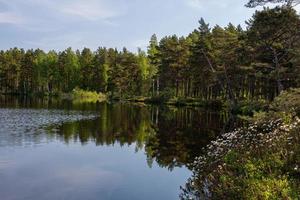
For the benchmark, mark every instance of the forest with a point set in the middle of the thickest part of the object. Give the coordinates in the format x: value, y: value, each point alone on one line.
x: 226, y: 63
x: 244, y: 145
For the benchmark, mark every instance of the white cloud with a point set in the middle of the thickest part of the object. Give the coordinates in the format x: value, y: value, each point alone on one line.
x: 10, y: 18
x: 202, y: 4
x: 18, y: 11
x: 90, y: 10
x: 194, y: 4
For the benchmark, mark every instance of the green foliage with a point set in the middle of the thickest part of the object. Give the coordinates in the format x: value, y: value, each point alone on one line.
x: 162, y: 97
x: 68, y: 67
x: 211, y: 64
x: 79, y: 95
x: 254, y: 3
x: 270, y: 188
x: 288, y: 102
x: 275, y: 33
x: 250, y: 107
x: 231, y: 157
x: 260, y: 161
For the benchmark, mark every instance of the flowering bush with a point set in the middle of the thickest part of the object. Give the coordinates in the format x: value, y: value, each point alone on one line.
x: 257, y: 162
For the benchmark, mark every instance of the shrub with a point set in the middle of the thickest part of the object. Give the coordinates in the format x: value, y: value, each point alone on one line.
x: 87, y: 96
x: 288, y: 102
x: 258, y: 162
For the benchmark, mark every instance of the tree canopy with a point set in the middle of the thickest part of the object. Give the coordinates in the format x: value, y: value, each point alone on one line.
x: 210, y: 63
x: 255, y: 3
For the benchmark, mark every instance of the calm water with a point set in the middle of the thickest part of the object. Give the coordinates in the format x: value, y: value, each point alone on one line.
x: 61, y: 150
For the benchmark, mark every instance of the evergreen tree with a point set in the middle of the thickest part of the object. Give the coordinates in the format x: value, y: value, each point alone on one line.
x: 274, y: 34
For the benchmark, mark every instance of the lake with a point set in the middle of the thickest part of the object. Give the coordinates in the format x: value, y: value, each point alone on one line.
x: 52, y: 149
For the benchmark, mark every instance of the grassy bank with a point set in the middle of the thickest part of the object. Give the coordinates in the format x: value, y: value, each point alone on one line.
x: 245, y: 108
x: 79, y: 95
x: 177, y: 101
x: 260, y: 161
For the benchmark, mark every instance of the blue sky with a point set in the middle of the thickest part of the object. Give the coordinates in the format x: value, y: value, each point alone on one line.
x: 58, y: 24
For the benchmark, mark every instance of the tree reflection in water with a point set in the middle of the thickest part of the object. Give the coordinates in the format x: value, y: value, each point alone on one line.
x: 170, y: 136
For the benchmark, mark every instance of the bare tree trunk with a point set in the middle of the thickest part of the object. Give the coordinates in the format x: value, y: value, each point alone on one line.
x: 153, y: 87
x: 277, y: 68
x: 24, y: 87
x: 177, y: 85
x: 157, y: 86
x: 157, y: 114
x: 231, y: 94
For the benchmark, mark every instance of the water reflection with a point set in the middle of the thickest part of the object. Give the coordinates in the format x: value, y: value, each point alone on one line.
x: 99, y: 151
x: 172, y: 137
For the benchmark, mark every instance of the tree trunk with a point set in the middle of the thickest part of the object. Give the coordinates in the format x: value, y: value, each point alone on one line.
x: 277, y: 68
x: 153, y: 87
x: 177, y: 85
x: 157, y: 86
x: 231, y: 96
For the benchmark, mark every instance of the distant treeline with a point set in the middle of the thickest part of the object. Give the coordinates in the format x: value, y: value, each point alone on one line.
x: 209, y: 63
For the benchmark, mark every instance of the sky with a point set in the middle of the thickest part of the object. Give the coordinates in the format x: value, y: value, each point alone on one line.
x: 59, y: 24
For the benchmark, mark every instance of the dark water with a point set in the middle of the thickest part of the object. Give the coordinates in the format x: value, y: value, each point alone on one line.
x: 61, y: 150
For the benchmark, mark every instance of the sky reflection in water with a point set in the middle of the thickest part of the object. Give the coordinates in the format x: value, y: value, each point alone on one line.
x: 127, y: 152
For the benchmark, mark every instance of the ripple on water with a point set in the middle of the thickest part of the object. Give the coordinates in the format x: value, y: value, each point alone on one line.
x: 23, y: 127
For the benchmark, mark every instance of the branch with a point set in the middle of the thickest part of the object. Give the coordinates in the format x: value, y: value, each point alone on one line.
x: 288, y: 3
